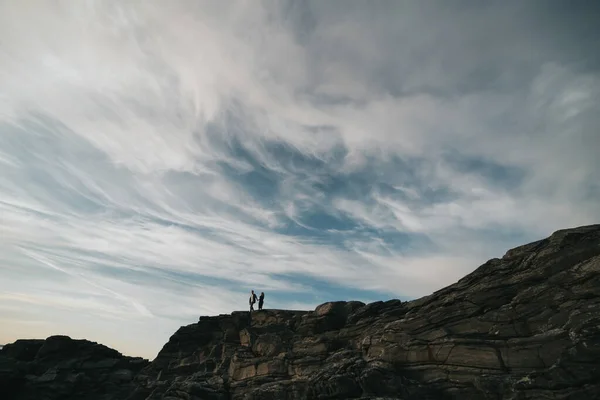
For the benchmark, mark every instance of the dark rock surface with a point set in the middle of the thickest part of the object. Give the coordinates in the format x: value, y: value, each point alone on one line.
x: 526, y: 326
x: 62, y: 368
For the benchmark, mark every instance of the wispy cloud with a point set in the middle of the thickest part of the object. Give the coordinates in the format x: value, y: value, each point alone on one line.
x: 159, y: 160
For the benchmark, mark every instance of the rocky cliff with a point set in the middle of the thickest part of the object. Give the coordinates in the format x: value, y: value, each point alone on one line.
x: 526, y: 326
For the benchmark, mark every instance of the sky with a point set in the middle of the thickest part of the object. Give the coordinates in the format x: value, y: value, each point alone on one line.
x: 158, y: 160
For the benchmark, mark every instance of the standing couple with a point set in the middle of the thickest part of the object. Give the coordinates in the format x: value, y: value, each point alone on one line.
x: 261, y: 299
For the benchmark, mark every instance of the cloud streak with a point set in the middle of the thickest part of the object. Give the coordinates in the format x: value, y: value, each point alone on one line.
x: 157, y: 161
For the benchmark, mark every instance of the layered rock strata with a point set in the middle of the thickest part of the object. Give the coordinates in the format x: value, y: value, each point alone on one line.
x: 526, y: 326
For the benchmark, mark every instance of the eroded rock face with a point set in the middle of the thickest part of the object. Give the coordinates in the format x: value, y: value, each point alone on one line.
x: 526, y: 326
x: 62, y: 368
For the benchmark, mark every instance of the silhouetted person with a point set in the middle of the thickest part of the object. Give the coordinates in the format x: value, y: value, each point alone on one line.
x: 252, y: 300
x: 261, y: 300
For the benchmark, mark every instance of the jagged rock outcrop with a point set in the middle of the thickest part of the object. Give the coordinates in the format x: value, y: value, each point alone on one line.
x: 62, y: 368
x: 526, y: 326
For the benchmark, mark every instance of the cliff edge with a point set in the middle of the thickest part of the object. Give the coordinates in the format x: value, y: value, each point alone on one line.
x: 526, y: 326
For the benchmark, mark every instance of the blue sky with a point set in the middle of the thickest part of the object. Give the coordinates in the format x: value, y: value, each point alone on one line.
x: 160, y: 159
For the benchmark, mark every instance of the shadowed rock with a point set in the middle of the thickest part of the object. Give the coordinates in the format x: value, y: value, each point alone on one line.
x: 526, y: 326
x: 62, y: 368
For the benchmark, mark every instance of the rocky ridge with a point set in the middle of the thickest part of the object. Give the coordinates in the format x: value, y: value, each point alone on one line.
x: 526, y: 326
x: 62, y: 368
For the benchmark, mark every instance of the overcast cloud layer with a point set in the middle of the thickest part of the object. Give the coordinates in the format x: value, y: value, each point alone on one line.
x: 160, y: 159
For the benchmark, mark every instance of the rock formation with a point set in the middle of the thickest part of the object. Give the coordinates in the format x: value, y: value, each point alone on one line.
x: 526, y: 326
x: 62, y: 368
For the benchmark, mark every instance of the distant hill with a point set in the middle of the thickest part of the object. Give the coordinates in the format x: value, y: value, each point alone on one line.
x: 526, y: 326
